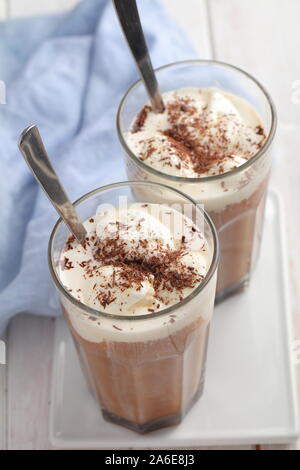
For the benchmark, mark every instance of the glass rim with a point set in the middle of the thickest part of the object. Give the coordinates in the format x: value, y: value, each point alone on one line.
x: 98, y: 313
x: 199, y: 179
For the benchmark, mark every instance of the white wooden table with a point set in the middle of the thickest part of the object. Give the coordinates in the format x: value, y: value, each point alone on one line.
x: 261, y: 36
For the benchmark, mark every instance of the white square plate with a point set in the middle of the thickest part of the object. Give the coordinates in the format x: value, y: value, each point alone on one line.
x: 249, y: 396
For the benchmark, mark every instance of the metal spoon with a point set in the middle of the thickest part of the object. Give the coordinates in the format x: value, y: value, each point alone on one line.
x: 35, y: 155
x: 131, y: 25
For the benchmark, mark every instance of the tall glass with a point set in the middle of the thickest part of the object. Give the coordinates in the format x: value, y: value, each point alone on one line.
x: 145, y: 371
x: 234, y: 200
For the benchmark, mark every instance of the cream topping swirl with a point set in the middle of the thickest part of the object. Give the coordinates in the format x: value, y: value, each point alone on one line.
x: 202, y: 132
x: 135, y: 260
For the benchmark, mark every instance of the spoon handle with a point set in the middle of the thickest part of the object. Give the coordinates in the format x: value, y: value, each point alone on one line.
x: 131, y: 25
x: 35, y: 155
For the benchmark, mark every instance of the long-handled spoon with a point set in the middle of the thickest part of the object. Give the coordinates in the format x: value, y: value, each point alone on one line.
x: 35, y: 155
x: 131, y: 25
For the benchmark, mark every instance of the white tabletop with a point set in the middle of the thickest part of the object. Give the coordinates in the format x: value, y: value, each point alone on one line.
x: 260, y: 36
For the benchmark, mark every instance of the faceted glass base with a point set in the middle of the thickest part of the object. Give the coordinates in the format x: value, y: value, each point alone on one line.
x: 162, y: 422
x: 233, y: 290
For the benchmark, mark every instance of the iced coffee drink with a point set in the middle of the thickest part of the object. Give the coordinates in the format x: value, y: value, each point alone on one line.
x: 138, y: 295
x: 211, y: 143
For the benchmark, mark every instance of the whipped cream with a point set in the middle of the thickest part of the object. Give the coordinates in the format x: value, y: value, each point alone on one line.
x: 202, y: 132
x: 135, y: 260
x: 247, y: 136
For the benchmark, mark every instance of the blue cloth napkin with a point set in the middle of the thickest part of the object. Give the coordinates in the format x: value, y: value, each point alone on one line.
x: 66, y: 73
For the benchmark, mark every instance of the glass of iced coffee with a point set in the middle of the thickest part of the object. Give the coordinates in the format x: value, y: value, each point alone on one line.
x: 212, y: 142
x: 138, y: 296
